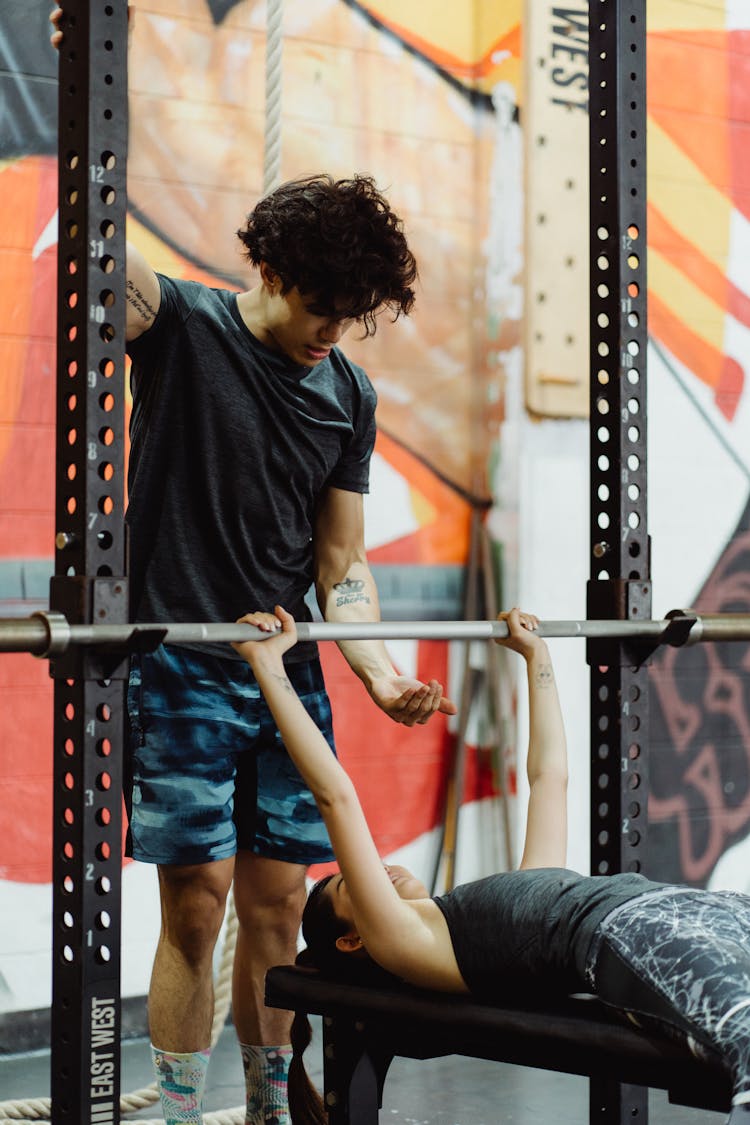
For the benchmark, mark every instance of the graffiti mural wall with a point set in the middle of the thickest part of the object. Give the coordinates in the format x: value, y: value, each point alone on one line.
x: 402, y: 93
x: 428, y: 98
x: 699, y: 320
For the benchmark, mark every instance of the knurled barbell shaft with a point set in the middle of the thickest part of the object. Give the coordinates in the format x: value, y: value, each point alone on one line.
x: 49, y: 633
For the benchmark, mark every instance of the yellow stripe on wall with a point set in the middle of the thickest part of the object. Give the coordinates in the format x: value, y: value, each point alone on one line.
x: 690, y: 202
x: 685, y: 15
x: 689, y: 303
x: 465, y: 30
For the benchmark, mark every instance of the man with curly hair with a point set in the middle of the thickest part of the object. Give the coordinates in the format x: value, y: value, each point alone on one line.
x: 251, y: 441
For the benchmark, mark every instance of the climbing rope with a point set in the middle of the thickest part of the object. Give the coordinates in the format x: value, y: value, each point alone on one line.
x: 272, y: 135
x: 36, y: 1111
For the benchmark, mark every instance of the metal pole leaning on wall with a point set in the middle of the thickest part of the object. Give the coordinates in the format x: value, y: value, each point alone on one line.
x: 89, y: 583
x: 620, y: 579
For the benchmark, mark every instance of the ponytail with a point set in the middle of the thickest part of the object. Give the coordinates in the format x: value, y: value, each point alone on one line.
x: 306, y: 1106
x: 305, y: 1103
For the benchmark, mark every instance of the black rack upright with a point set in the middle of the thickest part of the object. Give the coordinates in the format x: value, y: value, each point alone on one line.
x: 89, y: 584
x: 620, y: 580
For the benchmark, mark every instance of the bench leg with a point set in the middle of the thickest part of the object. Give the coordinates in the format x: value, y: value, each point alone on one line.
x: 617, y: 1103
x: 354, y: 1070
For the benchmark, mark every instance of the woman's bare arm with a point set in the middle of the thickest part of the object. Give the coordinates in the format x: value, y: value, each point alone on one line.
x: 393, y: 933
x: 545, y: 843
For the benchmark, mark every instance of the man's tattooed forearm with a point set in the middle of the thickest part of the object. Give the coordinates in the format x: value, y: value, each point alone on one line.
x: 138, y: 302
x: 543, y: 676
x: 351, y: 592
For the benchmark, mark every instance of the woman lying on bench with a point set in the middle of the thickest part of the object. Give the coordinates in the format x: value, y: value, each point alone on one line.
x: 672, y: 957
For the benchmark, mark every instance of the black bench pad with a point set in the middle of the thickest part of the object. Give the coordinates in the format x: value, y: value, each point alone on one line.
x: 575, y: 1035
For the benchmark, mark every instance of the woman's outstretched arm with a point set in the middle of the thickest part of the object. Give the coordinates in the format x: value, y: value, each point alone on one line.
x: 389, y: 929
x: 545, y: 844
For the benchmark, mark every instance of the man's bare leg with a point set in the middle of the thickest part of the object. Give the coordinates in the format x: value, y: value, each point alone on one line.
x: 269, y: 896
x: 181, y: 997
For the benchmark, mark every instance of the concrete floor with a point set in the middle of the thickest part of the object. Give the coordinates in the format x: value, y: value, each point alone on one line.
x: 450, y: 1091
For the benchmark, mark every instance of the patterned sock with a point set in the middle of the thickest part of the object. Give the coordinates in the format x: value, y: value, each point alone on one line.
x: 180, y: 1079
x: 266, y: 1071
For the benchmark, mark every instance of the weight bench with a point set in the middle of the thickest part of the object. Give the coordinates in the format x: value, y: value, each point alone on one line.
x: 365, y: 1027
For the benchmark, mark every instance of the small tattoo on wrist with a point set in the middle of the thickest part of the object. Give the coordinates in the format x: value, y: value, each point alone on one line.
x: 544, y: 675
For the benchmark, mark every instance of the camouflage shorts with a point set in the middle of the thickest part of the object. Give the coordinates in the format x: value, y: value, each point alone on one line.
x: 208, y: 773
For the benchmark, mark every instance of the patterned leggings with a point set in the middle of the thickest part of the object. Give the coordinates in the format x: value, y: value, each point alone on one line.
x: 681, y: 957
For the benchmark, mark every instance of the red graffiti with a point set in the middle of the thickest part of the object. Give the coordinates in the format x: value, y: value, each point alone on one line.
x: 700, y: 722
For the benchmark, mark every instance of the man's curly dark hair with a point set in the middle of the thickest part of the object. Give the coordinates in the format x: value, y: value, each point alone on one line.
x: 338, y: 242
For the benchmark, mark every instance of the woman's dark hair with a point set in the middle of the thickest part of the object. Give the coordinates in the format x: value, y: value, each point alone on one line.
x: 338, y: 242
x: 320, y: 928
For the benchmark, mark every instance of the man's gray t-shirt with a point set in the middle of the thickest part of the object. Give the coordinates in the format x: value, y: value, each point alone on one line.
x: 232, y: 445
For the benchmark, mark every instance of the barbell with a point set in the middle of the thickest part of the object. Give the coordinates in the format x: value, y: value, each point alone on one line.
x: 48, y: 633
